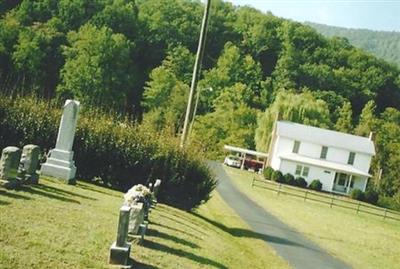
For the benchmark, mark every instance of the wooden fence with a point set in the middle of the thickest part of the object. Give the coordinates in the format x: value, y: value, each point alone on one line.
x: 329, y: 199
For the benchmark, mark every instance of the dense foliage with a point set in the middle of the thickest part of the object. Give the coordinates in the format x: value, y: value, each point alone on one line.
x: 135, y: 58
x: 114, y: 152
x: 384, y: 44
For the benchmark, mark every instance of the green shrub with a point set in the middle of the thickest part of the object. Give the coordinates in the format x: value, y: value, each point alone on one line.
x: 115, y: 152
x: 371, y: 196
x: 277, y: 176
x: 268, y: 172
x: 357, y: 194
x: 390, y: 202
x: 289, y: 179
x: 301, y: 182
x: 316, y: 185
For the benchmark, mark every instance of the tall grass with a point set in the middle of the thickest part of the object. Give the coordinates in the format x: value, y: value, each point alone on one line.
x: 114, y: 151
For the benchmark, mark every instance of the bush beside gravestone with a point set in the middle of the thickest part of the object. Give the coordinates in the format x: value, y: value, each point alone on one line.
x: 117, y: 152
x: 316, y: 185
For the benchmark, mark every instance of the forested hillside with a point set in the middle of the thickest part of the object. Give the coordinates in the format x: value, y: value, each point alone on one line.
x: 136, y: 58
x: 383, y: 44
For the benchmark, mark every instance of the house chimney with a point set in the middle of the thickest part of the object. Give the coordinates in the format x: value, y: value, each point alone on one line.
x: 371, y: 136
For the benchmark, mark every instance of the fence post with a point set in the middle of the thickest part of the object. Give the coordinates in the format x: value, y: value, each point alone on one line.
x: 279, y: 188
x: 305, y: 196
x: 384, y: 217
x: 358, y: 207
x: 331, y: 201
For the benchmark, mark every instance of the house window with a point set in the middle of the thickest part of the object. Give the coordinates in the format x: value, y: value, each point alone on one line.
x: 352, y: 156
x: 298, y: 169
x: 296, y: 147
x: 324, y: 152
x: 305, y: 171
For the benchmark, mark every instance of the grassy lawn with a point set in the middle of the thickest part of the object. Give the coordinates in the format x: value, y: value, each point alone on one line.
x: 362, y: 240
x: 54, y: 225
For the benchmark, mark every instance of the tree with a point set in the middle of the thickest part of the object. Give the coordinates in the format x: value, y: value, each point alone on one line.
x: 232, y: 67
x: 301, y: 108
x: 367, y: 119
x: 165, y: 95
x: 95, y: 70
x: 344, y: 122
x: 232, y: 122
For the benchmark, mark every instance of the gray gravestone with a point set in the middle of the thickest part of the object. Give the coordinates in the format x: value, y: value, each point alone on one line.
x: 30, y: 161
x: 155, y: 189
x: 136, y: 218
x: 9, y: 163
x: 120, y: 250
x: 60, y: 163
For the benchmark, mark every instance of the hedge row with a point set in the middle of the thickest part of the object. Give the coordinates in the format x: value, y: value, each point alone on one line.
x: 113, y: 152
x: 277, y: 176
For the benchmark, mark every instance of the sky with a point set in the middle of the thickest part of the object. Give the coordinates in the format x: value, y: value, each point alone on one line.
x: 366, y: 14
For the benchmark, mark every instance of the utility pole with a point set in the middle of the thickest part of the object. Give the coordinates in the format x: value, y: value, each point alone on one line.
x: 196, y: 71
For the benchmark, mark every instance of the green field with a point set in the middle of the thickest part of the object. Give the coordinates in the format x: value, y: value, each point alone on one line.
x: 362, y: 240
x: 54, y: 225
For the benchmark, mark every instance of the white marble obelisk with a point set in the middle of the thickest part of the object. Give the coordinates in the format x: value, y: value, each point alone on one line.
x: 60, y: 163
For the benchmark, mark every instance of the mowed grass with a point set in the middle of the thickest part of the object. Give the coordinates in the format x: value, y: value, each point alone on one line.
x: 54, y: 225
x: 362, y: 240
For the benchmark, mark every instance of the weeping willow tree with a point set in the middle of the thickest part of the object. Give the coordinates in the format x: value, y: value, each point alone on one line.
x: 302, y: 108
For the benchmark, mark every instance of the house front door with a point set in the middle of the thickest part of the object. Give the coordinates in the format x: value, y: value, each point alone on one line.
x: 341, y: 182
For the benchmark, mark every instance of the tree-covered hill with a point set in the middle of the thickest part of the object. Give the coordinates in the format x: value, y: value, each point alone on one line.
x: 383, y: 44
x: 136, y: 58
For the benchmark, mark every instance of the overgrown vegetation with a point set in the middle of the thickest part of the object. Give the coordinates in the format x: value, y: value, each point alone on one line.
x: 136, y: 57
x: 114, y: 152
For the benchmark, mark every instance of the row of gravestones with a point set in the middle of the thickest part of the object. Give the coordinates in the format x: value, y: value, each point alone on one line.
x: 132, y: 225
x: 19, y: 166
x: 16, y: 169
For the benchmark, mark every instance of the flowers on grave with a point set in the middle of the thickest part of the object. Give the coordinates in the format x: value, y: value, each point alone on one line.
x: 137, y: 194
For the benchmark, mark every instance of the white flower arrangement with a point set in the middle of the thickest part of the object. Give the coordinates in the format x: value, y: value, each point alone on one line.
x: 136, y: 193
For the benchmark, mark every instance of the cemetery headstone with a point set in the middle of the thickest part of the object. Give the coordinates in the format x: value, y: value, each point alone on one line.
x: 30, y: 161
x: 120, y: 249
x: 156, y: 187
x: 60, y: 163
x: 9, y: 164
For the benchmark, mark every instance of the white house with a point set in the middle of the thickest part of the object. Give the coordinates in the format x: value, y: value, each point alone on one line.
x: 340, y: 161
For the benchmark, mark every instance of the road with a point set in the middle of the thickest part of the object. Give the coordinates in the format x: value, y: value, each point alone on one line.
x: 292, y: 246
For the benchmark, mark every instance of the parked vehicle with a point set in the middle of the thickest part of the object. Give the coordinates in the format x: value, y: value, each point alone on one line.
x: 233, y: 161
x: 254, y: 165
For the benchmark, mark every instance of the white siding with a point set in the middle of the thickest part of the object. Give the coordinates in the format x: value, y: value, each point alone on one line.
x: 314, y: 173
x: 359, y: 183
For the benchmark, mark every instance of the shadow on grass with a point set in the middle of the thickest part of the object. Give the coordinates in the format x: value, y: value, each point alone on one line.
x: 85, y: 187
x: 175, y: 229
x: 13, y: 195
x: 178, y: 240
x: 239, y: 232
x: 180, y: 223
x: 61, y: 192
x: 139, y: 265
x: 183, y: 254
x: 4, y: 202
x: 47, y: 194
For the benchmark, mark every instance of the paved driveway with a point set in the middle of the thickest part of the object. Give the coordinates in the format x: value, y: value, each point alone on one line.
x: 292, y: 246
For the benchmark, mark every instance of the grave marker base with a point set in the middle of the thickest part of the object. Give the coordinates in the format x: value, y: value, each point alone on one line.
x: 120, y: 255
